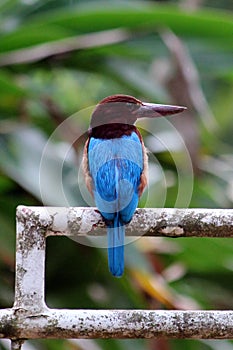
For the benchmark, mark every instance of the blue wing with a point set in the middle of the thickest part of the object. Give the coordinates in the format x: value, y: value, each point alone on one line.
x: 116, y: 166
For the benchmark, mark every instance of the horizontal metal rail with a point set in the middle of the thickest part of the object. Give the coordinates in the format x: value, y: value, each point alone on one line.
x: 53, y: 323
x: 30, y: 317
x: 146, y: 222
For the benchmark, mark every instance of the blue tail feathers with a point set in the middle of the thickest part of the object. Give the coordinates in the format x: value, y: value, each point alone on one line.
x: 116, y: 237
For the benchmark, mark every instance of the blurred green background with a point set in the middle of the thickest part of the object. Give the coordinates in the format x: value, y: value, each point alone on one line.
x: 60, y: 57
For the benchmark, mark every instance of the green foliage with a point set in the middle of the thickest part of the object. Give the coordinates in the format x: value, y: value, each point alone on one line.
x: 60, y: 57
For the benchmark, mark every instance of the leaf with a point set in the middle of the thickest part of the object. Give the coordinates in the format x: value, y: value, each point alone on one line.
x: 21, y: 153
x: 58, y: 24
x: 155, y: 287
x: 195, y: 258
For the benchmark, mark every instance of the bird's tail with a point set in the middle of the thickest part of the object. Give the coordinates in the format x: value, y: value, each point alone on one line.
x: 116, y: 237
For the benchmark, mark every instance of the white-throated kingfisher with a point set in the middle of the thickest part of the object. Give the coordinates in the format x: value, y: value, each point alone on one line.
x: 115, y: 165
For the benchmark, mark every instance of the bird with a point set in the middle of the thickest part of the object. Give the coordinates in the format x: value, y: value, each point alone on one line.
x: 115, y: 165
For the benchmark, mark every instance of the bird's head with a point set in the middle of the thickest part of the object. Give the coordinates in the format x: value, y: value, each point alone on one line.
x: 125, y: 109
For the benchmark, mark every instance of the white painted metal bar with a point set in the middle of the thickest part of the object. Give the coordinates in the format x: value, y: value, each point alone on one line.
x: 146, y: 222
x: 54, y: 323
x: 31, y: 318
x: 30, y: 266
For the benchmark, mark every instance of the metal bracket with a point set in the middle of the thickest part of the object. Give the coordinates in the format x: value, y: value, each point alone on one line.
x: 30, y: 318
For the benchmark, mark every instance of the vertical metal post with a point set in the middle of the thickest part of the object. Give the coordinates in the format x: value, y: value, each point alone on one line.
x: 30, y: 264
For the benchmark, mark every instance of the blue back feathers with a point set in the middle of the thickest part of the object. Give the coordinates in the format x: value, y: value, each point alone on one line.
x: 116, y: 166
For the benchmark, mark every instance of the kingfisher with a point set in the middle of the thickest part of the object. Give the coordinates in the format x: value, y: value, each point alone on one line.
x: 115, y: 165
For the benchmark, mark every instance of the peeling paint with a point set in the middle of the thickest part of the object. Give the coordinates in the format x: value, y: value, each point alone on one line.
x: 172, y: 231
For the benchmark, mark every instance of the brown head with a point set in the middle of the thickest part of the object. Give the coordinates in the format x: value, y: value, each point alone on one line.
x: 125, y: 110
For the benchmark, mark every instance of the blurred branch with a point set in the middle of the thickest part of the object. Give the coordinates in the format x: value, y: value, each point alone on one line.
x: 184, y: 86
x: 7, y: 258
x: 188, y: 78
x: 157, y: 288
x: 67, y: 130
x: 85, y: 41
x: 191, y: 5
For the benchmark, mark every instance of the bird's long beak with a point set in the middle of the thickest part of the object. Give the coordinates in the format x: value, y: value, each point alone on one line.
x: 153, y: 110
